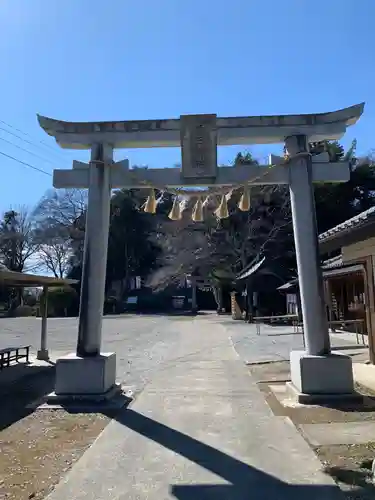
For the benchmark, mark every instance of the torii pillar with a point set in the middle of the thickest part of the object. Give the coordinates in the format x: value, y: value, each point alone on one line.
x: 316, y: 372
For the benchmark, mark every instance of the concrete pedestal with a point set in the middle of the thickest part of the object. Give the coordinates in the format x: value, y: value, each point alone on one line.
x: 316, y: 378
x: 85, y: 385
x: 89, y: 376
x: 42, y: 355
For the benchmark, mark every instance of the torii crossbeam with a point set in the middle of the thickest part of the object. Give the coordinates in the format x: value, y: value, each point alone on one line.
x: 198, y: 136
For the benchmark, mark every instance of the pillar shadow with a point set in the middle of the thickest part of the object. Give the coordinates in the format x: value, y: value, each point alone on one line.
x: 17, y: 395
x: 285, y: 334
x: 245, y: 482
x: 360, y: 477
x: 353, y: 347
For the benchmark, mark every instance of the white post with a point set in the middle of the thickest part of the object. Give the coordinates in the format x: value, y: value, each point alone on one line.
x: 194, y: 295
x: 43, y: 354
x: 306, y: 243
x: 95, y: 253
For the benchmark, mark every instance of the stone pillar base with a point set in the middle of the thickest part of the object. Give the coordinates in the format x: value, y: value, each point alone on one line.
x: 316, y: 379
x: 92, y: 376
x: 42, y: 355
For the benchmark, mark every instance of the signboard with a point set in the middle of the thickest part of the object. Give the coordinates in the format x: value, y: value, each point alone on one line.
x: 178, y: 301
x: 291, y: 303
x: 132, y: 300
x: 198, y: 146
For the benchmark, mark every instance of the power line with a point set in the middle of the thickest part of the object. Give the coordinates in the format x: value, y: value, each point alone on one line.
x: 23, y: 139
x: 27, y: 151
x: 25, y: 133
x: 27, y: 164
x: 18, y: 136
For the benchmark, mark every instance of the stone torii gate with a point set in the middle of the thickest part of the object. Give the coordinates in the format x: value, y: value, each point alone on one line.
x: 315, y: 371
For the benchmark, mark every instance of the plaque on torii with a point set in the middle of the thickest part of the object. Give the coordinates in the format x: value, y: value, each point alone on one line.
x: 198, y: 146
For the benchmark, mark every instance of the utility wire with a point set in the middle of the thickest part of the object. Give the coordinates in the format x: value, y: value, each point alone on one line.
x: 25, y: 133
x: 23, y: 139
x: 27, y: 164
x: 27, y: 151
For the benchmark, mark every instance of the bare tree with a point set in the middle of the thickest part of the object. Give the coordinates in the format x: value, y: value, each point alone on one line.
x: 63, y: 207
x: 17, y: 239
x: 60, y: 226
x: 247, y: 235
x: 224, y: 245
x: 182, y: 242
x: 55, y: 255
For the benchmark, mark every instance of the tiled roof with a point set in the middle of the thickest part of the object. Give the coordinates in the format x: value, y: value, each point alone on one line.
x: 333, y: 263
x: 355, y: 222
x: 290, y: 284
x: 250, y: 270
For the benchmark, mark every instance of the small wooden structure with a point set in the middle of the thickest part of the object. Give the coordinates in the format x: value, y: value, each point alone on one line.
x: 259, y: 281
x: 23, y: 280
x: 349, y: 275
x: 293, y: 303
x: 344, y: 289
x: 293, y: 299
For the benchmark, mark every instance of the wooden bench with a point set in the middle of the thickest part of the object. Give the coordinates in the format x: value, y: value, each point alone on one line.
x: 10, y: 354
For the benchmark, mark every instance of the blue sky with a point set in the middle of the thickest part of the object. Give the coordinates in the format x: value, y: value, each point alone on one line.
x: 124, y: 59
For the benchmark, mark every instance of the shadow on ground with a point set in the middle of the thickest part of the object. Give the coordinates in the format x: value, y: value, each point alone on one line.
x: 364, y: 404
x: 172, y: 314
x: 245, y: 481
x: 16, y: 395
x: 108, y: 408
x: 353, y: 347
x: 366, y: 490
x: 281, y: 334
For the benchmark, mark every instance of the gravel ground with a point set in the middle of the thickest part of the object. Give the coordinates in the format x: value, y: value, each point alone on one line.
x: 142, y: 343
x: 39, y: 449
x: 349, y: 465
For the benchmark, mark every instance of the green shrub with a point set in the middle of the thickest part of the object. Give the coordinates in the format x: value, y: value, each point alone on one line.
x: 62, y: 301
x: 29, y: 300
x: 110, y: 305
x: 22, y: 311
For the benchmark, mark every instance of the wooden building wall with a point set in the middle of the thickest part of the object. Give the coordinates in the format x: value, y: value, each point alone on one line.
x: 364, y: 252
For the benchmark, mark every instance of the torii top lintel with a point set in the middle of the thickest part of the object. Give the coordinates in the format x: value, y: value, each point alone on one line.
x: 230, y: 131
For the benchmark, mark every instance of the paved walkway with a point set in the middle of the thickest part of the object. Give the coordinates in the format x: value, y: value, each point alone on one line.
x: 199, y: 430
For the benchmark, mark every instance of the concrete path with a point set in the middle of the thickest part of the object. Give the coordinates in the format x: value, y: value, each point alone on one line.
x: 199, y: 430
x: 348, y: 433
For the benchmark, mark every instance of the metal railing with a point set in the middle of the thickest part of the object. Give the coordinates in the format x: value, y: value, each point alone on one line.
x: 358, y: 324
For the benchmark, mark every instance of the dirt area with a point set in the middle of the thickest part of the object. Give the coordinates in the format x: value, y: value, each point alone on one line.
x: 38, y: 448
x: 349, y: 465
